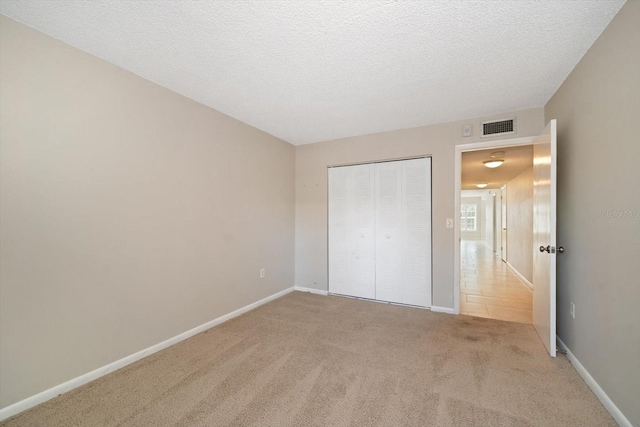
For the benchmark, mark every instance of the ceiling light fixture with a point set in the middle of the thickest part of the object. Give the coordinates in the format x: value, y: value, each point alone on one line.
x: 481, y: 185
x: 493, y: 163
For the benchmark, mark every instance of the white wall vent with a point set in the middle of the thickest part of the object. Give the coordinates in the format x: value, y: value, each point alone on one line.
x: 498, y: 127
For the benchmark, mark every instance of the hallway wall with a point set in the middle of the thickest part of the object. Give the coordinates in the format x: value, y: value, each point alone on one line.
x: 489, y: 220
x: 520, y: 223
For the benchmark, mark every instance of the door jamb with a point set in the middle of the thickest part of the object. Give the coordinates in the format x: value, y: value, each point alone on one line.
x: 459, y: 149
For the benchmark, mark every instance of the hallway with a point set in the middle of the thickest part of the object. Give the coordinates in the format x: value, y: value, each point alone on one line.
x: 488, y: 288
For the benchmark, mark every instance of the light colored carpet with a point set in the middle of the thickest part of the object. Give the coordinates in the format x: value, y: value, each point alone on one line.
x: 305, y: 360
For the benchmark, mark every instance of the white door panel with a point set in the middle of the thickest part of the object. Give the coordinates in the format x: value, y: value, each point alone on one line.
x: 362, y: 240
x: 544, y: 236
x: 416, y: 232
x: 339, y: 230
x: 388, y: 231
x: 503, y: 233
x: 351, y: 237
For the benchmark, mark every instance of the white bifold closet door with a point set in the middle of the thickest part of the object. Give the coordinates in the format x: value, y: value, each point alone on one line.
x: 403, y: 232
x: 351, y: 231
x: 380, y: 231
x: 389, y: 231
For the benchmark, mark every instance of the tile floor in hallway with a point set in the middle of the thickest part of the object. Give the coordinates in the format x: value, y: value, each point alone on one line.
x: 488, y: 288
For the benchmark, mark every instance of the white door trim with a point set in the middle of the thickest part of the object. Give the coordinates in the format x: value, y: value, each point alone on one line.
x: 459, y: 149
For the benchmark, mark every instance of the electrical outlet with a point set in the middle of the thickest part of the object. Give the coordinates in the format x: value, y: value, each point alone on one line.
x: 572, y: 310
x: 262, y: 273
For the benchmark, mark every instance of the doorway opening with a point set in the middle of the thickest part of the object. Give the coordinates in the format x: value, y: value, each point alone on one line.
x: 493, y: 271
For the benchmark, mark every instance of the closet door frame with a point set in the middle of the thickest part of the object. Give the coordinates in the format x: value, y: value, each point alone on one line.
x: 430, y: 222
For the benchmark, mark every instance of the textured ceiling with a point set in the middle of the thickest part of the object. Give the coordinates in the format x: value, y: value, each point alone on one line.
x: 308, y: 71
x: 516, y: 160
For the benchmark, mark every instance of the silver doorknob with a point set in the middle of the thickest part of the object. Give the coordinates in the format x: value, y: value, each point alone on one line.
x: 543, y: 249
x: 560, y: 250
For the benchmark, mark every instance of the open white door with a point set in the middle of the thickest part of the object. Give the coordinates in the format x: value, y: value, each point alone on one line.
x: 544, y: 236
x: 503, y: 224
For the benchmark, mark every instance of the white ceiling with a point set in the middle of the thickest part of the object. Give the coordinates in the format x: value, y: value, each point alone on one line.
x: 308, y: 71
x: 516, y: 160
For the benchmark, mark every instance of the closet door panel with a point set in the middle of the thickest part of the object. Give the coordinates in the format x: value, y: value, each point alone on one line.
x: 416, y: 232
x: 339, y: 230
x: 361, y: 242
x: 388, y: 231
x: 351, y: 231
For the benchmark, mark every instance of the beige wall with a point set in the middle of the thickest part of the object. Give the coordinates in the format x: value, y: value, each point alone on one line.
x: 438, y: 141
x: 597, y: 108
x: 520, y: 223
x: 128, y: 213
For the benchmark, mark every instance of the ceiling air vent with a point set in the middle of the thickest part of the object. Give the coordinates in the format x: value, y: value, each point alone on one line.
x: 498, y: 127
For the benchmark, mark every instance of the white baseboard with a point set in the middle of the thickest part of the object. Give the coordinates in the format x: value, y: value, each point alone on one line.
x: 442, y: 309
x: 595, y: 387
x: 41, y: 397
x: 313, y: 291
x: 520, y: 276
